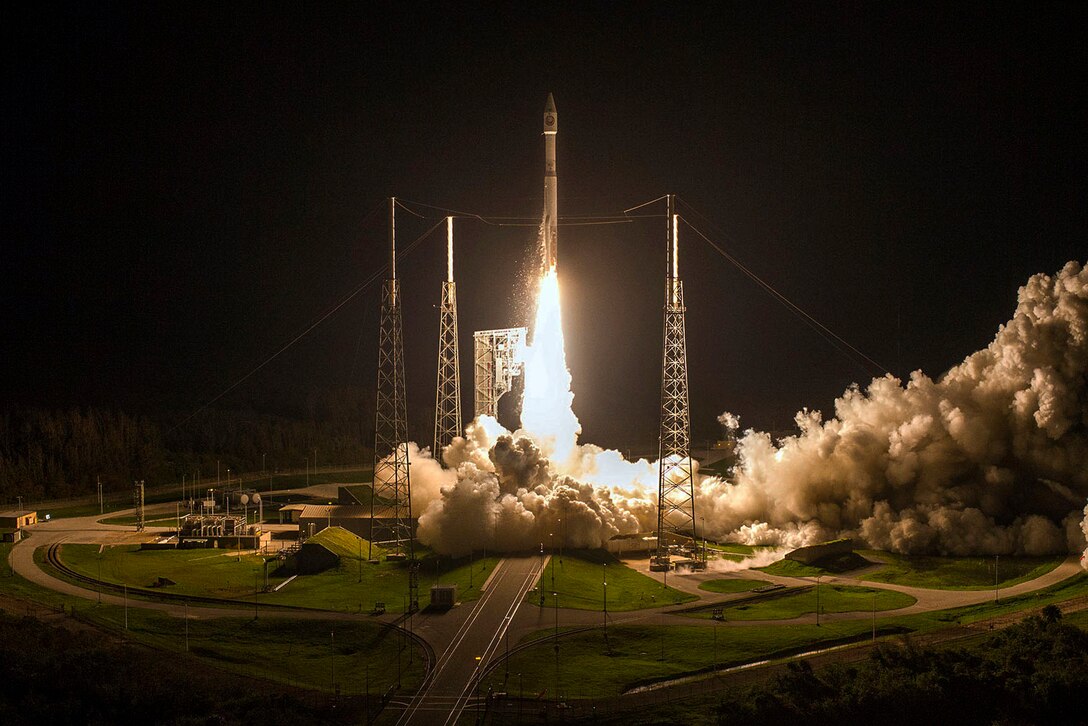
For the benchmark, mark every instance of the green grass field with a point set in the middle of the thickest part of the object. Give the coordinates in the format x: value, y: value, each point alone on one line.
x: 833, y: 599
x: 590, y: 667
x: 579, y: 575
x: 957, y: 573
x: 301, y: 652
x: 734, y: 584
x: 354, y: 586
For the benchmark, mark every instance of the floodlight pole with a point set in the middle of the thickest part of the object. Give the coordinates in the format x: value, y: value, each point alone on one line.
x: 818, y: 600
x: 556, y: 596
x: 604, y: 599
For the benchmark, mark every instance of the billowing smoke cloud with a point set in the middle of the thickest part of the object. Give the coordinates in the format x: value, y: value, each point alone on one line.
x: 1084, y: 533
x: 505, y: 495
x: 983, y: 460
x: 989, y: 458
x: 729, y: 422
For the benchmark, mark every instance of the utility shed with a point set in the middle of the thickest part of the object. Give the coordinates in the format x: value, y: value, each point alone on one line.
x: 13, y: 521
x: 443, y: 596
x: 808, y: 555
x: 314, y: 557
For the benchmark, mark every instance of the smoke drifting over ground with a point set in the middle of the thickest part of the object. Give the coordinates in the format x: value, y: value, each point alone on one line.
x: 992, y: 457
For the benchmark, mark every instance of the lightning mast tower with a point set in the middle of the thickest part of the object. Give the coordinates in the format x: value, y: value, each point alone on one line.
x: 138, y: 501
x: 391, y: 498
x: 675, y: 493
x: 447, y: 408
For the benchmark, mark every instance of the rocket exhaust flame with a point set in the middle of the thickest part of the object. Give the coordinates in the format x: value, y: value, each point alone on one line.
x: 546, y: 412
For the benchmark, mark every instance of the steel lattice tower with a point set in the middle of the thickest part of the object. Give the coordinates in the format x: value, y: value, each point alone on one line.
x: 138, y: 500
x: 447, y: 407
x: 391, y: 499
x: 675, y: 497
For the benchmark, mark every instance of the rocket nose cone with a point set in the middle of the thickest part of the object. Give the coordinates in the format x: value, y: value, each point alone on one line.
x: 549, y: 107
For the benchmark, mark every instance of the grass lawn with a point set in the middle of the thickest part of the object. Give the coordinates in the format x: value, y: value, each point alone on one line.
x: 957, y: 573
x: 590, y: 667
x: 735, y: 584
x: 289, y: 650
x: 205, y: 572
x: 732, y: 548
x: 833, y: 599
x: 579, y: 577
x: 633, y: 654
x: 295, y: 651
x: 354, y: 586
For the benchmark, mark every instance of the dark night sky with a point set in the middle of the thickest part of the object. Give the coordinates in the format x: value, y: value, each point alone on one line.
x: 186, y: 186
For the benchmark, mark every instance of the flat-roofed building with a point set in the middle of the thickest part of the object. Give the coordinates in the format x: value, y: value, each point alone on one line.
x: 13, y: 522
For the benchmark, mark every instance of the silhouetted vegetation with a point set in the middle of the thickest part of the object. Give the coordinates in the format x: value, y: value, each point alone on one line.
x: 1033, y: 672
x: 54, y: 675
x: 60, y: 454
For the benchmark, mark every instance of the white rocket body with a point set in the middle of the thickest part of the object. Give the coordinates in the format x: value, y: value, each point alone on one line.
x: 551, y: 186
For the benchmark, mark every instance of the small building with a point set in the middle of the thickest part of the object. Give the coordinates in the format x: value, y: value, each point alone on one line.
x: 812, y: 553
x: 639, y: 543
x: 313, y: 557
x: 289, y: 513
x: 220, y: 530
x: 443, y: 596
x: 352, y: 517
x: 13, y: 522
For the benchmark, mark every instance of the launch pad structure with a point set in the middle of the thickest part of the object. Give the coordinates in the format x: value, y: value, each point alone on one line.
x: 496, y: 363
x: 676, y: 495
x: 391, y: 496
x: 447, y: 406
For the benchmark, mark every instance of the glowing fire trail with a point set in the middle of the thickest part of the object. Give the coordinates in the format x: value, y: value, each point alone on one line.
x: 546, y: 412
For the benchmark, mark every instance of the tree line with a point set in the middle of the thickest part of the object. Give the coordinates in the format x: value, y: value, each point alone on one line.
x: 55, y: 454
x: 1035, y: 672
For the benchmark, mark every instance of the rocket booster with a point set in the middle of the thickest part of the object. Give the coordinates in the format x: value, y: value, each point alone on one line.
x: 551, y: 206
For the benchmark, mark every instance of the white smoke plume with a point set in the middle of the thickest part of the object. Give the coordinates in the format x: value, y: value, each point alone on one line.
x: 1084, y: 533
x: 759, y: 558
x: 965, y: 464
x: 983, y: 460
x: 729, y: 422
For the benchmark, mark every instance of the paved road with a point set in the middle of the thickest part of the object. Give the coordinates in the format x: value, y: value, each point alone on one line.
x: 927, y: 600
x: 480, y: 637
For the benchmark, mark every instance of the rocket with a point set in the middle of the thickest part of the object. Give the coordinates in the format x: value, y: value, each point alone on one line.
x: 551, y: 206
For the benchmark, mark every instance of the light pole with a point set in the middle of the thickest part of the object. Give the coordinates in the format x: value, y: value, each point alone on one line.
x: 818, y: 600
x: 604, y: 601
x: 551, y: 538
x: 540, y: 582
x: 556, y: 596
x: 997, y: 559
